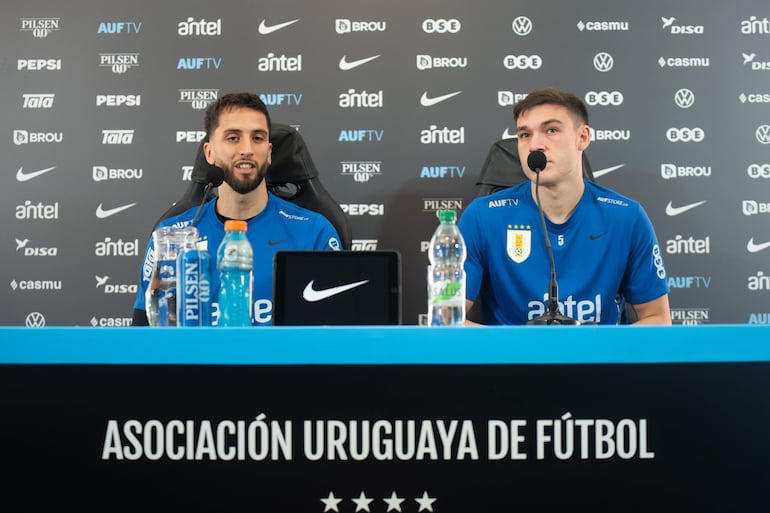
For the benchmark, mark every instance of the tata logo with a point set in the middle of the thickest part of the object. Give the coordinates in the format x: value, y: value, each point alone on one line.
x: 102, y: 173
x: 603, y: 62
x: 752, y: 208
x: 668, y: 24
x: 446, y: 135
x: 198, y: 99
x: 685, y: 134
x: 604, y: 98
x: 523, y: 62
x: 38, y: 65
x: 758, y: 171
x: 441, y: 26
x: 371, y: 209
x: 21, y: 137
x: 670, y: 171
x: 684, y: 62
x: 362, y: 99
x: 119, y: 27
x: 118, y: 100
x: 117, y: 136
x: 199, y: 28
x: 34, y: 320
x: 508, y: 98
x: 272, y: 62
x: 345, y: 26
x: 40, y: 27
x: 364, y: 245
x: 522, y: 26
x: 187, y: 173
x: 274, y: 99
x: 119, y: 63
x: 38, y: 100
x: 361, y: 171
x: 428, y: 62
x: 193, y: 136
x: 684, y: 98
x: 199, y: 63
x: 755, y: 26
x: 763, y: 134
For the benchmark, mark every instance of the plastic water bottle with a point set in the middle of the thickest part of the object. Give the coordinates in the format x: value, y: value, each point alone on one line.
x: 446, y: 274
x: 235, y: 261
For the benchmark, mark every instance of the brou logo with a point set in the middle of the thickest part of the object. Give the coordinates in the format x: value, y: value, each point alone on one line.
x: 345, y: 26
x: 40, y: 27
x: 428, y: 62
x: 669, y: 171
x: 603, y: 62
x: 522, y: 26
x: 102, y: 173
x: 508, y: 98
x: 119, y: 63
x: 752, y: 208
x: 198, y: 99
x: 24, y: 137
x: 198, y: 63
x: 119, y: 27
x: 38, y: 100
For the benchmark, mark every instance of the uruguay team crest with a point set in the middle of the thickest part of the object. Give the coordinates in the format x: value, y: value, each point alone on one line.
x: 519, y: 243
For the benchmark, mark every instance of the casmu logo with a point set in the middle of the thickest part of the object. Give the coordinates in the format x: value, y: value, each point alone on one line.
x: 21, y: 176
x: 675, y: 211
x: 101, y: 213
x: 753, y: 247
x: 312, y: 295
x: 346, y: 66
x: 266, y: 29
x: 426, y: 101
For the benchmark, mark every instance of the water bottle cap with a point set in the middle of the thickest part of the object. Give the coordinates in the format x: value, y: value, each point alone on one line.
x: 233, y: 225
x: 447, y: 216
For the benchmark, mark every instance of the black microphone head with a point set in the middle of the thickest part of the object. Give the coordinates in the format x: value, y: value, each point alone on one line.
x: 215, y: 175
x: 537, y: 161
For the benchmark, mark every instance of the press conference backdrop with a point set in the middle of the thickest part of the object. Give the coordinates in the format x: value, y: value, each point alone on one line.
x: 102, y: 104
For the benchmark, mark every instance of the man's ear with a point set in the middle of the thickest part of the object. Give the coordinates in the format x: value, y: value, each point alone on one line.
x: 584, y: 137
x: 208, y: 153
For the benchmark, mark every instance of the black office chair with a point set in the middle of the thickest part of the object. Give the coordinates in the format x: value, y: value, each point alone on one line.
x: 292, y: 175
x: 502, y: 169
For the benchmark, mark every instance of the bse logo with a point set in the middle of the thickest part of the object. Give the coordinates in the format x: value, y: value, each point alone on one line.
x: 604, y: 98
x: 603, y: 62
x: 117, y: 136
x: 198, y: 99
x: 759, y: 171
x: 523, y: 62
x: 522, y: 26
x: 685, y: 134
x: 441, y: 26
x: 364, y: 245
x: 40, y: 27
x: 361, y: 171
x: 119, y: 63
x: 684, y: 98
x: 763, y: 134
x: 38, y: 100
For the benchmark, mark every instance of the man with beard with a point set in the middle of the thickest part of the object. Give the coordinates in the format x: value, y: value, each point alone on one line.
x: 238, y: 130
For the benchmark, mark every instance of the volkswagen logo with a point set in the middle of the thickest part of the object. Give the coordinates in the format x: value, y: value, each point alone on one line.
x: 763, y: 134
x: 522, y: 26
x: 684, y: 98
x: 603, y: 62
x: 34, y: 320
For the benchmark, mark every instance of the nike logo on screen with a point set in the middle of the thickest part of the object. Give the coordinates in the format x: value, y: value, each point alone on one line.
x: 101, y: 213
x: 755, y: 248
x: 312, y: 295
x: 345, y: 65
x: 675, y: 211
x: 266, y: 29
x: 425, y: 101
x: 23, y: 177
x: 606, y: 170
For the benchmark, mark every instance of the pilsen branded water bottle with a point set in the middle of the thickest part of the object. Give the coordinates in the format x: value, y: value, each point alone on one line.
x: 235, y: 260
x: 161, y: 296
x: 193, y: 302
x: 446, y: 274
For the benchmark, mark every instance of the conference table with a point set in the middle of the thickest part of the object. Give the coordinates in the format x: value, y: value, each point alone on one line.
x: 386, y: 418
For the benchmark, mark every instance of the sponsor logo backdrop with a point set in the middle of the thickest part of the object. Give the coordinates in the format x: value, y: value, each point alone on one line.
x: 399, y: 103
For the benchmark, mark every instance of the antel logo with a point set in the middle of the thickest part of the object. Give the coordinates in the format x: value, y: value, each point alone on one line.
x: 272, y: 62
x: 38, y: 100
x: 109, y: 247
x: 759, y: 170
x: 522, y: 26
x: 690, y: 246
x: 24, y: 137
x: 30, y: 211
x: 441, y: 26
x: 345, y: 26
x: 198, y: 99
x: 755, y: 26
x: 362, y: 99
x: 40, y: 27
x: 603, y: 62
x: 684, y: 98
x: 668, y: 23
x: 200, y: 27
x: 119, y: 63
x: 523, y: 62
x: 117, y: 136
x: 446, y: 135
x: 604, y: 98
x: 118, y: 100
x: 685, y: 134
x: 38, y: 64
x: 763, y: 134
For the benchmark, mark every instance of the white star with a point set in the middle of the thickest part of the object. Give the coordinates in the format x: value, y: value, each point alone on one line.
x: 394, y: 503
x: 425, y: 502
x: 362, y: 503
x: 331, y: 502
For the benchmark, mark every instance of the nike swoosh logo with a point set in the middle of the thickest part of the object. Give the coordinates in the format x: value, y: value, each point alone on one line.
x: 312, y: 295
x: 23, y: 177
x: 102, y: 214
x: 266, y: 29
x: 345, y: 65
x: 675, y: 211
x: 275, y: 242
x: 606, y: 170
x: 508, y: 135
x: 594, y: 237
x: 425, y: 101
x: 755, y: 248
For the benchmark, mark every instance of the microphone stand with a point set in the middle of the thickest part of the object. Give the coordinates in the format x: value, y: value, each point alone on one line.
x: 552, y: 314
x: 206, y: 191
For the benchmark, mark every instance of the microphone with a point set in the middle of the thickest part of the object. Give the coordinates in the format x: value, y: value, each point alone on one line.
x: 537, y: 162
x: 213, y: 178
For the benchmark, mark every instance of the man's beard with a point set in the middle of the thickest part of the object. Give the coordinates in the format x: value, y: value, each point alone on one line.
x: 244, y: 184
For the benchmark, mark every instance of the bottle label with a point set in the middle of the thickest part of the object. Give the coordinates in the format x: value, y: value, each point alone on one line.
x: 448, y: 291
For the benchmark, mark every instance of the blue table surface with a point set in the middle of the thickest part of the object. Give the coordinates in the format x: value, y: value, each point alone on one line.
x: 386, y: 345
